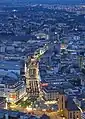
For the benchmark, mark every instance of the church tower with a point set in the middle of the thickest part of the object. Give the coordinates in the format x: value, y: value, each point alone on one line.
x: 61, y: 102
x: 32, y: 78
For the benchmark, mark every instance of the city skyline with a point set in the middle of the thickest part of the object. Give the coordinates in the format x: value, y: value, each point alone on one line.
x: 42, y: 59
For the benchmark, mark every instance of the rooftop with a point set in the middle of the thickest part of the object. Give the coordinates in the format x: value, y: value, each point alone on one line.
x: 16, y: 114
x: 70, y: 105
x: 11, y: 79
x: 10, y: 65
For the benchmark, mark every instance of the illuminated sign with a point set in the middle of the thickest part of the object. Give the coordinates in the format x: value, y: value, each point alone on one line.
x: 44, y: 84
x: 12, y: 96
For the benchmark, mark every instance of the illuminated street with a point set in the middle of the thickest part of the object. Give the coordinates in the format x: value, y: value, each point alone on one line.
x: 23, y: 106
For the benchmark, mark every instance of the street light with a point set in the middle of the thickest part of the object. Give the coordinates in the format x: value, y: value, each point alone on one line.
x: 6, y: 106
x: 28, y: 108
x: 6, y: 103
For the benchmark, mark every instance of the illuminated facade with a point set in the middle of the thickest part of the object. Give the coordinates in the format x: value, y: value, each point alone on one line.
x: 50, y: 94
x: 12, y: 88
x: 15, y: 92
x: 32, y: 78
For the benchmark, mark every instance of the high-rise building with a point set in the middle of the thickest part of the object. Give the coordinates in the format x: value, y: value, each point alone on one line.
x: 32, y: 78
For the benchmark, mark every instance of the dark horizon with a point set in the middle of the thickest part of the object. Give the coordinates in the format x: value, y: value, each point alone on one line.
x: 44, y: 1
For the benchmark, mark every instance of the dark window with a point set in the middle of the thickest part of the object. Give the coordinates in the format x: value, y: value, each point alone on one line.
x: 62, y: 102
x: 62, y: 105
x: 62, y: 99
x: 73, y: 115
x: 70, y: 115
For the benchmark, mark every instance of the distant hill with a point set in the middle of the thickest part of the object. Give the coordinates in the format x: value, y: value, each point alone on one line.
x: 44, y: 1
x: 59, y: 1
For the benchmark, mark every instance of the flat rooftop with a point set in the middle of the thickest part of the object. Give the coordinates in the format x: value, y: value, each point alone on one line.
x: 10, y: 65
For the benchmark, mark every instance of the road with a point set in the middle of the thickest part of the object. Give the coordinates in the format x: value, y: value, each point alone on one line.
x: 53, y: 115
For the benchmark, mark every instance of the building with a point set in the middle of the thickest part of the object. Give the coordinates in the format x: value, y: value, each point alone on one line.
x: 2, y: 103
x: 7, y: 66
x: 12, y: 88
x: 9, y: 114
x: 70, y: 109
x: 32, y: 78
x: 2, y: 48
x: 81, y: 59
x: 50, y: 93
x: 44, y: 116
